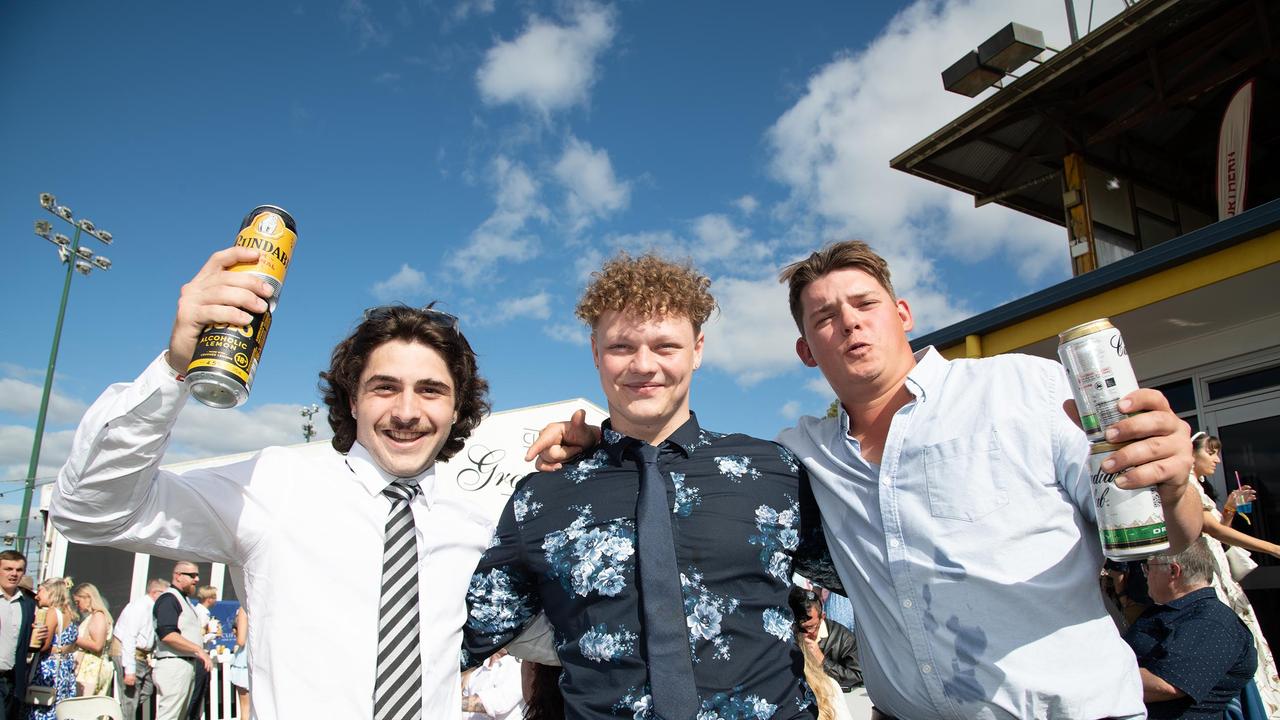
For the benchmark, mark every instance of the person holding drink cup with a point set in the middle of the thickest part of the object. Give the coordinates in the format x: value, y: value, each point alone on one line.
x: 1224, y: 541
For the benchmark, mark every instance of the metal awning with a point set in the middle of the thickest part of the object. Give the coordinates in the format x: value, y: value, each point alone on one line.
x: 1140, y: 97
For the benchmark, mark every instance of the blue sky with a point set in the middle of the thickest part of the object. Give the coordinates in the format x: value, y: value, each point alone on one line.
x: 488, y: 155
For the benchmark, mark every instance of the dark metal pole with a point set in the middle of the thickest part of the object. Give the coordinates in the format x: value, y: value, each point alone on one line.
x: 44, y: 399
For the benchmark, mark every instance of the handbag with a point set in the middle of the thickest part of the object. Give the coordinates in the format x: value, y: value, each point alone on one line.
x: 44, y: 695
x: 1240, y: 563
x: 41, y: 696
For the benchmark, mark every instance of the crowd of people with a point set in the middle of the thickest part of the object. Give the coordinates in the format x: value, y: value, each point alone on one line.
x: 1199, y: 645
x: 657, y: 556
x: 58, y: 640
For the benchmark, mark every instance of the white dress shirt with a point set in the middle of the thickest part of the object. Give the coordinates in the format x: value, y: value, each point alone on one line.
x: 499, y: 689
x: 136, y: 630
x: 971, y: 552
x: 10, y: 625
x: 294, y: 524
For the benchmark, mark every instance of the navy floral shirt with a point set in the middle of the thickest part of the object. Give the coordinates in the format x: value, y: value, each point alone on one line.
x: 743, y: 517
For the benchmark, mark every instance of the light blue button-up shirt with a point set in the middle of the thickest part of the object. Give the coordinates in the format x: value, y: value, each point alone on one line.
x: 971, y: 552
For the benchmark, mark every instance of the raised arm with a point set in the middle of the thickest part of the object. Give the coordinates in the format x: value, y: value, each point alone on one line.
x: 110, y: 491
x: 1230, y: 536
x: 1158, y: 455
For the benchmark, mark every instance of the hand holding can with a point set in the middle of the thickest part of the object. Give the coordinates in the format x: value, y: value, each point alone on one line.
x: 225, y: 356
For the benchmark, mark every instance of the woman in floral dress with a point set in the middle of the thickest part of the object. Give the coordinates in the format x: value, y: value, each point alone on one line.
x: 57, y: 666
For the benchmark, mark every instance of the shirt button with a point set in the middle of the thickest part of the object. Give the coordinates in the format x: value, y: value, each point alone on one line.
x: 906, y: 603
x: 893, y: 542
x: 926, y: 668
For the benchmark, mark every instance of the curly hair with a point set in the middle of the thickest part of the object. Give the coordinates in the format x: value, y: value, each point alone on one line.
x: 647, y: 286
x: 400, y: 322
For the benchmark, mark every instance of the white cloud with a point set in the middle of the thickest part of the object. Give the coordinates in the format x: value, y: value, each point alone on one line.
x: 585, y: 262
x: 502, y: 236
x: 746, y: 204
x: 23, y: 398
x: 387, y: 79
x: 790, y: 410
x: 819, y: 385
x: 359, y: 17
x: 593, y: 191
x: 717, y: 239
x: 548, y: 67
x: 203, y: 432
x: 466, y: 8
x: 568, y: 333
x: 832, y: 149
x: 536, y: 306
x: 753, y: 336
x: 405, y: 285
x: 15, y: 452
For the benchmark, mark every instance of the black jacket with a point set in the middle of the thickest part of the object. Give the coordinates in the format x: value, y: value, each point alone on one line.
x: 20, y: 669
x: 840, y: 655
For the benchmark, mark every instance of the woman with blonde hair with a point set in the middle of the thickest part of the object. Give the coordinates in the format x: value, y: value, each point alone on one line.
x: 94, y: 668
x: 57, y: 668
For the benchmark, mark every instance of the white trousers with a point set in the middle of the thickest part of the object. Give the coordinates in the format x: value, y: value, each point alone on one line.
x: 174, y: 678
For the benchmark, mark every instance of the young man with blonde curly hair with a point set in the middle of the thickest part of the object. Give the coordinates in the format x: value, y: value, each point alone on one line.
x: 403, y: 391
x: 663, y: 557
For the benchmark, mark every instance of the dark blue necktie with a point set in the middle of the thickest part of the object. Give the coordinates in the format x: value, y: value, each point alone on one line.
x: 665, y: 636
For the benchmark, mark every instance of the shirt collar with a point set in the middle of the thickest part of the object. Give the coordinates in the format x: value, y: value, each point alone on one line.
x: 926, y: 377
x: 923, y: 380
x: 374, y: 479
x: 686, y: 439
x: 1191, y: 598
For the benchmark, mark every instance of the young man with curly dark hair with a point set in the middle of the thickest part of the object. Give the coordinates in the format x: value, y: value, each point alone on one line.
x: 402, y: 391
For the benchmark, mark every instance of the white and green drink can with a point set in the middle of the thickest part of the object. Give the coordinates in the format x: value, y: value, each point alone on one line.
x: 1130, y: 522
x: 1098, y: 365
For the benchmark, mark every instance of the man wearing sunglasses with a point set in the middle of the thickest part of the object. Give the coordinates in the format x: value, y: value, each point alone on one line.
x: 180, y: 644
x: 402, y: 392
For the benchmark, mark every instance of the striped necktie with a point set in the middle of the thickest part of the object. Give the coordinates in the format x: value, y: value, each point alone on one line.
x: 397, y: 691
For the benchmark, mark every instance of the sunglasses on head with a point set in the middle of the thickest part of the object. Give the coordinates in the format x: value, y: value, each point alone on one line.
x: 436, y: 317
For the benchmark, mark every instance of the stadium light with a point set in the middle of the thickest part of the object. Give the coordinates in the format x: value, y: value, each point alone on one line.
x: 77, y: 259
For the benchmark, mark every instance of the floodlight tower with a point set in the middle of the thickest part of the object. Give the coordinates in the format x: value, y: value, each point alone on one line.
x: 77, y: 259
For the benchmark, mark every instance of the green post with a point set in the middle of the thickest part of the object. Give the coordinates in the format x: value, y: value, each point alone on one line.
x: 44, y: 398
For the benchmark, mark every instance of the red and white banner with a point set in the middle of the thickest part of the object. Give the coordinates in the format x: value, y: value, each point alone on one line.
x: 1233, y: 153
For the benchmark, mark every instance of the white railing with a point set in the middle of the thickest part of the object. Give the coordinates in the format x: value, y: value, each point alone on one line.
x: 222, y: 703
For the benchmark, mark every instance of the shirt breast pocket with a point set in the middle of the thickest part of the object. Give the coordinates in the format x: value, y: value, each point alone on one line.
x: 966, y: 477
